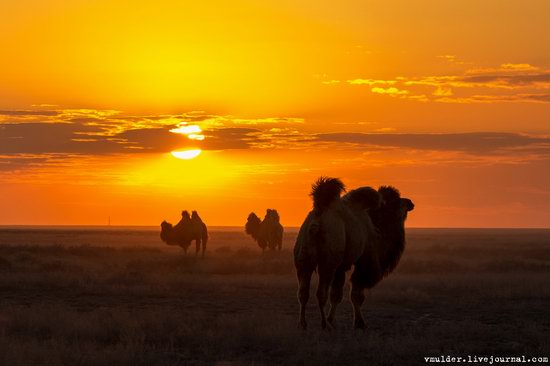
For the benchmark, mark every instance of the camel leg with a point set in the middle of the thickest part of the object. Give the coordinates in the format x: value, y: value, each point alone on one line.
x: 197, y: 246
x: 357, y: 299
x: 336, y: 294
x: 304, y: 281
x: 203, y: 248
x: 322, y: 294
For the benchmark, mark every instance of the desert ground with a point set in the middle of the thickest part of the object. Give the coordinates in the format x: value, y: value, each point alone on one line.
x: 119, y: 296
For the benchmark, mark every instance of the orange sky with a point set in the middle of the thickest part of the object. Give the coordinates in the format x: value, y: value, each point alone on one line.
x: 448, y: 101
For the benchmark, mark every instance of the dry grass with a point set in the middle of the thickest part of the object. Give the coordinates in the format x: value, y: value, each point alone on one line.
x: 87, y: 301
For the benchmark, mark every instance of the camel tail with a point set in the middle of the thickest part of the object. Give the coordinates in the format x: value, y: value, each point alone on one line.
x: 324, y: 191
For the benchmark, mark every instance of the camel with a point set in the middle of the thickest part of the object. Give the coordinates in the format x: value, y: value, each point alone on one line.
x: 268, y: 233
x: 188, y: 229
x: 364, y: 229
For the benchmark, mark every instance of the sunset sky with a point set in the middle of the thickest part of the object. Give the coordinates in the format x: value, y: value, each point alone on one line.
x: 447, y: 100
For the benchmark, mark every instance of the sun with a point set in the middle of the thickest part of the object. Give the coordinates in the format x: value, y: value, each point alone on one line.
x: 186, y: 154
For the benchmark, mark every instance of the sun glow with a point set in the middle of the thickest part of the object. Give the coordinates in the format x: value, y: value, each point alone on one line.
x: 192, y: 132
x: 195, y: 177
x: 194, y: 136
x: 186, y: 154
x: 186, y: 129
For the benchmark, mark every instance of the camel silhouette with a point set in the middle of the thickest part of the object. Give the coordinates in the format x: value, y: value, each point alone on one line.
x: 268, y: 233
x: 188, y: 229
x: 364, y: 229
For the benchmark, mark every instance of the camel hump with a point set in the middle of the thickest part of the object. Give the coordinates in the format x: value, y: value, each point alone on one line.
x: 195, y: 216
x: 326, y: 190
x: 365, y: 197
x: 389, y: 193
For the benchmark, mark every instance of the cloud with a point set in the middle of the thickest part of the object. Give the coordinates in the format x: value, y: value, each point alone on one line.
x: 515, y: 67
x: 371, y: 82
x: 48, y: 138
x: 443, y: 92
x: 153, y: 140
x: 97, y: 132
x: 453, y: 59
x: 13, y: 163
x: 390, y: 91
x: 27, y: 113
x: 504, y: 68
x: 231, y: 138
x: 472, y: 143
x: 82, y: 133
x: 489, y: 80
x: 521, y: 82
x: 231, y: 120
x: 450, y: 58
x: 541, y: 80
x: 543, y: 98
x: 36, y: 138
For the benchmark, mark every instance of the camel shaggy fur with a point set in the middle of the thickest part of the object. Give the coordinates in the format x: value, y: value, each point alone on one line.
x: 188, y: 229
x: 363, y: 229
x: 268, y: 233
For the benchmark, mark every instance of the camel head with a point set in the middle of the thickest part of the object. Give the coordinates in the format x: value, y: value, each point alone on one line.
x: 393, y: 205
x: 253, y: 223
x: 407, y: 204
x: 165, y: 231
x: 165, y: 226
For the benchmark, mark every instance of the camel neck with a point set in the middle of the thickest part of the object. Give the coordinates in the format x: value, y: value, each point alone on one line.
x: 392, y: 242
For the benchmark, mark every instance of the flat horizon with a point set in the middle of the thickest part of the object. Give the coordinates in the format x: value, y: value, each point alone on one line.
x: 233, y: 228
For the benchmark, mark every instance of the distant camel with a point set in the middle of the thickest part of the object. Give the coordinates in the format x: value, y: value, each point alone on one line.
x: 365, y: 228
x: 188, y: 229
x: 267, y: 233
